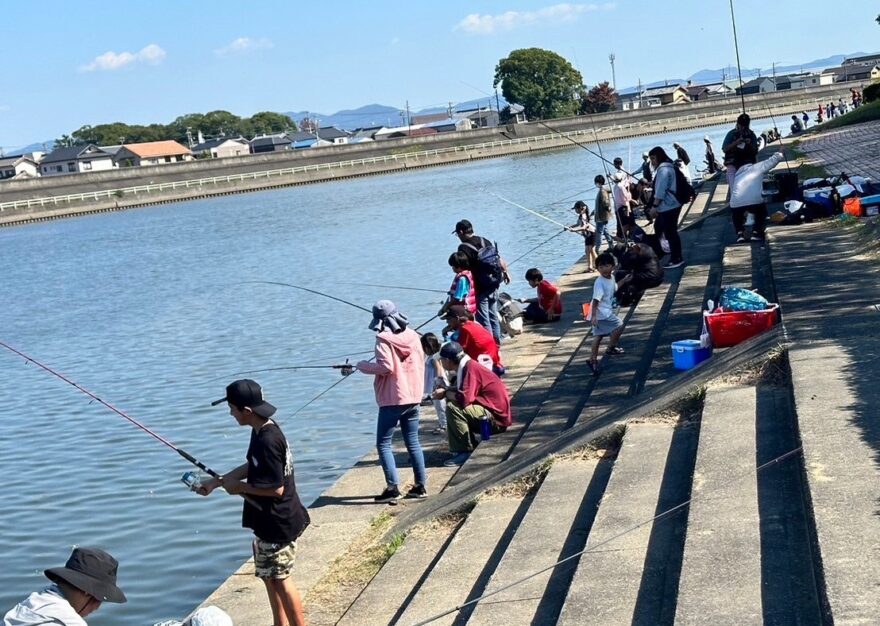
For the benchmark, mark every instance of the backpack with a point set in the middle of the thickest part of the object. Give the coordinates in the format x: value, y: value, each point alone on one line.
x: 684, y: 193
x: 488, y: 273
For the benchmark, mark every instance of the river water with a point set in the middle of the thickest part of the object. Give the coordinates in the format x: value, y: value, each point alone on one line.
x: 152, y: 310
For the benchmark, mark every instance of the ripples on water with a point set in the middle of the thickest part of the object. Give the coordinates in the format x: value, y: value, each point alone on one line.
x: 146, y: 307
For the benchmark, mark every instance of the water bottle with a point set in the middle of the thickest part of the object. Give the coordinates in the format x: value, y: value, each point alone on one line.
x: 485, y: 429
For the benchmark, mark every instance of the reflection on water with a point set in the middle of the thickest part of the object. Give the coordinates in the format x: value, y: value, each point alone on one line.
x: 152, y: 310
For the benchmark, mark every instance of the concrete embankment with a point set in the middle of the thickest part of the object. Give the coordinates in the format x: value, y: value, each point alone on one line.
x: 77, y: 194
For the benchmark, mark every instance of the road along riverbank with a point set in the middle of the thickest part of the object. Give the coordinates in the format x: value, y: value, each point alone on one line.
x: 65, y: 196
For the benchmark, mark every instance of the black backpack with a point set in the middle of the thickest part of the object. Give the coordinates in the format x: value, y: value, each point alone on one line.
x: 487, y: 271
x: 684, y: 193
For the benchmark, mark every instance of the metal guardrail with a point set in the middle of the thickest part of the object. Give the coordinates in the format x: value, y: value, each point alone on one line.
x: 121, y: 193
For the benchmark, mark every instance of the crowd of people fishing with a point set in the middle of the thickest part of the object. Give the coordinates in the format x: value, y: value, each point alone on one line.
x: 632, y: 225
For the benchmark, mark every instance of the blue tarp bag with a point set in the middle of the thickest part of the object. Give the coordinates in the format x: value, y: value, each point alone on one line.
x: 739, y: 299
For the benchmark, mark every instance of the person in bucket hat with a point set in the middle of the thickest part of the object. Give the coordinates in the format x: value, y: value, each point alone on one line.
x: 78, y: 589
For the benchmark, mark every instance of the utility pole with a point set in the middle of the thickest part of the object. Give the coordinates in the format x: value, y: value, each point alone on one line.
x: 640, y: 93
x: 408, y: 120
x: 449, y: 109
x: 497, y: 101
x: 613, y: 75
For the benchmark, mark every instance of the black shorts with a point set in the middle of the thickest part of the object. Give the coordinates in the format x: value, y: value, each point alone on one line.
x: 590, y: 240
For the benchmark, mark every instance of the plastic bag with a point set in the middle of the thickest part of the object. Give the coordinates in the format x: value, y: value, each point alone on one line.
x: 739, y: 299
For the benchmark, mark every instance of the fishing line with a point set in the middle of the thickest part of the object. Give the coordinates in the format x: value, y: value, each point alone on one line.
x: 314, y: 291
x: 396, y: 287
x: 186, y: 455
x: 742, y: 95
x: 313, y: 400
x: 659, y: 517
x: 776, y: 129
x: 546, y: 241
x: 579, y: 144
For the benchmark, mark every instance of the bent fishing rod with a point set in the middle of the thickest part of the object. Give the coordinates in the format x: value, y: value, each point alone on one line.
x: 579, y: 144
x: 186, y: 455
x: 397, y: 287
x: 306, y: 289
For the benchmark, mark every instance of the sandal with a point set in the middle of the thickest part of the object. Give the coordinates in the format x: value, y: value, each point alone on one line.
x: 594, y: 367
x: 615, y: 350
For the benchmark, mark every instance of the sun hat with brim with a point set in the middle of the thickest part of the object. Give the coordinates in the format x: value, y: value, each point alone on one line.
x: 387, y: 317
x: 92, y: 571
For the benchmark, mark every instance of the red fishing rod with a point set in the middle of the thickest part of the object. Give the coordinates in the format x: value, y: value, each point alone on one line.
x: 188, y: 479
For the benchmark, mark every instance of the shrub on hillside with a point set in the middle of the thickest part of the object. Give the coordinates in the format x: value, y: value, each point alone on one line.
x: 871, y: 92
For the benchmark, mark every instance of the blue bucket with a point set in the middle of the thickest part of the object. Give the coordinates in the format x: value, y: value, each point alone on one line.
x: 687, y: 353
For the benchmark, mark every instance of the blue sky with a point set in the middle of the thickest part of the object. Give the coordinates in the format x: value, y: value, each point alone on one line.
x: 91, y: 62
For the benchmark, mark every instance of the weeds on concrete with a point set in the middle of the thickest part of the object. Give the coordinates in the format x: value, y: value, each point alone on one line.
x: 605, y: 446
x: 806, y: 167
x: 521, y: 486
x: 352, y: 571
x: 683, y: 413
x: 771, y: 370
x: 442, y: 524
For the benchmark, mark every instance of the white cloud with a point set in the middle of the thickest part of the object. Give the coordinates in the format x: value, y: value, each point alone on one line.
x: 478, y: 24
x: 243, y: 45
x: 151, y: 54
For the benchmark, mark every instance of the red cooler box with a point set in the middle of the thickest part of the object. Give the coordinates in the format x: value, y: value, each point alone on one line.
x: 732, y: 327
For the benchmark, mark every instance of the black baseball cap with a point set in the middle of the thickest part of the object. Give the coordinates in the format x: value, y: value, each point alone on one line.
x: 246, y: 393
x: 463, y: 226
x: 452, y: 351
x: 618, y: 161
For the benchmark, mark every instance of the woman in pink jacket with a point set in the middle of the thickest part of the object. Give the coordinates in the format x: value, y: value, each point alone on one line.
x: 399, y: 370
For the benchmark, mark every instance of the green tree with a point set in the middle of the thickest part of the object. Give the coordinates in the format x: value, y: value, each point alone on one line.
x: 543, y: 82
x: 599, y: 99
x: 64, y: 141
x: 267, y: 122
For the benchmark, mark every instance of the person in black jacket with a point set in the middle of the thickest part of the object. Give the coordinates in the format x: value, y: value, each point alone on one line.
x: 639, y: 270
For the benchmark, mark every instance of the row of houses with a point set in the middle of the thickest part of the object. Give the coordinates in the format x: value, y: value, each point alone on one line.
x: 864, y: 68
x: 93, y: 158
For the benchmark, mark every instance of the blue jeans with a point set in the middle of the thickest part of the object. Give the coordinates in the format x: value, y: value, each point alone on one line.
x: 602, y: 231
x: 487, y: 314
x: 407, y: 415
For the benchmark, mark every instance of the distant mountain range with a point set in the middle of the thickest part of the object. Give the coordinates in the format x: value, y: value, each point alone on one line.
x: 381, y: 115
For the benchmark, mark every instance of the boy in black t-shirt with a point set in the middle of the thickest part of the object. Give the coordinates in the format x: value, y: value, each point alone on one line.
x: 272, y: 508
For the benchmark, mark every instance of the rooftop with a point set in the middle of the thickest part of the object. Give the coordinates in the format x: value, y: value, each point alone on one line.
x: 156, y: 149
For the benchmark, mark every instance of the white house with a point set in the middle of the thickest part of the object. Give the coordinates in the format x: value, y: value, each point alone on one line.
x: 18, y: 167
x: 87, y: 158
x: 152, y: 153
x: 222, y: 147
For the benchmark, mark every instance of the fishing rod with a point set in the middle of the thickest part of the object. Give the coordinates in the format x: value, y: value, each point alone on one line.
x: 546, y: 241
x: 579, y: 144
x: 186, y: 455
x: 314, y: 291
x: 776, y: 129
x: 328, y: 389
x: 396, y: 287
x: 742, y: 95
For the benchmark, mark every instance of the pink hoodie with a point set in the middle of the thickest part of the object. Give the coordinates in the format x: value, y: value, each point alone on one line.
x: 399, y: 368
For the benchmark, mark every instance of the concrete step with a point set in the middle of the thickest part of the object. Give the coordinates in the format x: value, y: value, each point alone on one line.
x: 562, y: 510
x: 605, y: 587
x: 700, y: 203
x: 721, y: 571
x: 467, y: 562
x: 830, y: 315
x: 382, y: 600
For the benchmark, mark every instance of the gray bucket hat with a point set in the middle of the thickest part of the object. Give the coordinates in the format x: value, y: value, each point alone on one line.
x: 387, y: 317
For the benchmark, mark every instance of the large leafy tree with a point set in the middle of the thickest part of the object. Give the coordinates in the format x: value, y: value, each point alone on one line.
x: 267, y: 122
x: 543, y: 82
x: 599, y: 99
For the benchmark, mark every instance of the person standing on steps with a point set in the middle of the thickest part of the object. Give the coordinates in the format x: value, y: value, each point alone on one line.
x: 272, y: 508
x: 605, y: 323
x: 489, y: 270
x: 646, y: 172
x: 586, y: 228
x: 78, y: 589
x: 666, y: 207
x: 711, y: 165
x: 740, y: 146
x: 603, y: 213
x: 399, y: 371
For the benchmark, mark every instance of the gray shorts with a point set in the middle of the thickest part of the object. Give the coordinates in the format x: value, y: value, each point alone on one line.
x: 605, y: 327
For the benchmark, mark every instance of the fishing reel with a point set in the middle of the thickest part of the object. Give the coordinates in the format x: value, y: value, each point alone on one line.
x: 193, y: 480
